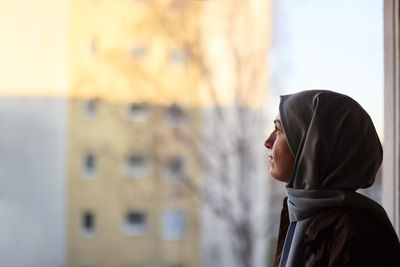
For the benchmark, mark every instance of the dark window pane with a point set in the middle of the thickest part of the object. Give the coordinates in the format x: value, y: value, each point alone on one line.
x: 90, y: 165
x: 88, y: 221
x: 136, y: 160
x: 136, y: 218
x: 136, y: 166
x: 175, y: 168
x: 135, y: 223
x: 138, y: 111
x: 175, y: 114
x: 88, y: 224
x: 175, y: 165
x: 91, y: 108
x: 90, y: 161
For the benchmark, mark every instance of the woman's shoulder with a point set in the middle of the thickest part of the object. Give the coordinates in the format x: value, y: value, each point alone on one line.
x: 353, y: 236
x: 349, y: 220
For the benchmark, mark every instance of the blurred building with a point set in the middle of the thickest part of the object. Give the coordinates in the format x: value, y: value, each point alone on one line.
x: 99, y: 98
x: 129, y: 203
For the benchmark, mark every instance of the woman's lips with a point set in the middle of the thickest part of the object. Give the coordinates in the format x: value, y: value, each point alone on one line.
x: 270, y: 157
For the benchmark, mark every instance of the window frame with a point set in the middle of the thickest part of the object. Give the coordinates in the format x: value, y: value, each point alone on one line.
x: 391, y: 155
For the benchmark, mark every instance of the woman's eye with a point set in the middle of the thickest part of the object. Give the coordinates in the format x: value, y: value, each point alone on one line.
x: 276, y: 130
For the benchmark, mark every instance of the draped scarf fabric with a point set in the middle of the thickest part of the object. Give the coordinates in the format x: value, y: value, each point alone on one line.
x: 337, y: 151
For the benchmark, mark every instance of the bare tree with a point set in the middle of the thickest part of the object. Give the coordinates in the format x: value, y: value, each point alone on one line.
x: 234, y: 38
x: 226, y: 43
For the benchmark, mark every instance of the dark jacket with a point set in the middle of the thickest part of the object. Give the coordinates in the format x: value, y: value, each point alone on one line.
x: 345, y: 236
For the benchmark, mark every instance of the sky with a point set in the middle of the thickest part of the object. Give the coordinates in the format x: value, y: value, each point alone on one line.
x: 334, y: 45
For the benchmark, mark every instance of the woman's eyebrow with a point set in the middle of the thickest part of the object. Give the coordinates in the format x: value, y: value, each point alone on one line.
x: 275, y: 121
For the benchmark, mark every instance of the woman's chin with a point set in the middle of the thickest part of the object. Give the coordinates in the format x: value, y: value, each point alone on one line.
x: 278, y: 177
x: 273, y: 174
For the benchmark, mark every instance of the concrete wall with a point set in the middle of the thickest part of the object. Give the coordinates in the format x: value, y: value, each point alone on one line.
x: 32, y: 181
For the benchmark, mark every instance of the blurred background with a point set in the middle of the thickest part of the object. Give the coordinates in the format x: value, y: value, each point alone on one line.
x: 132, y: 131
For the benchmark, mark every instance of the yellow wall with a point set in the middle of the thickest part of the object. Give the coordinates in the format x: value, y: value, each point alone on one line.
x: 111, y: 72
x: 110, y: 193
x: 102, y: 35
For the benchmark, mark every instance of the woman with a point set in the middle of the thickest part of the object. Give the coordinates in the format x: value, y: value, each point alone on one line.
x: 325, y: 147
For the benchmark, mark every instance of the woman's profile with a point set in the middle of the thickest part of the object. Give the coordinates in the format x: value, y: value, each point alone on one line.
x: 325, y: 147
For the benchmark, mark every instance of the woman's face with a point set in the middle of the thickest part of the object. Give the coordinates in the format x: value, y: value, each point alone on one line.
x: 281, y: 158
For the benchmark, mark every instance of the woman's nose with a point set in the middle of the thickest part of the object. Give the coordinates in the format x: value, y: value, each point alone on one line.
x: 270, y: 141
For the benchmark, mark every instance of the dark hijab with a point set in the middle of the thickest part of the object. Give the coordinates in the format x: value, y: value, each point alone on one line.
x: 337, y: 151
x: 333, y: 139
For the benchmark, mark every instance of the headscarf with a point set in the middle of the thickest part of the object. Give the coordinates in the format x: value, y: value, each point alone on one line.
x: 337, y: 151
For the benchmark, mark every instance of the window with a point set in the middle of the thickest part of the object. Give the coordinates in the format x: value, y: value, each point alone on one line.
x: 178, y: 56
x: 92, y: 46
x: 173, y: 225
x: 135, y: 223
x: 136, y: 166
x: 175, y: 168
x: 90, y: 109
x: 138, y: 111
x: 391, y: 169
x: 138, y: 51
x: 88, y: 224
x: 175, y: 115
x: 90, y: 166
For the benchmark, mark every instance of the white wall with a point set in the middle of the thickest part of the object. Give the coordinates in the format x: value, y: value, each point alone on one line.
x: 32, y: 181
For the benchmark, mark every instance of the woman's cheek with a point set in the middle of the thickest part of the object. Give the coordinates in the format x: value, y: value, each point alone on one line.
x: 276, y: 153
